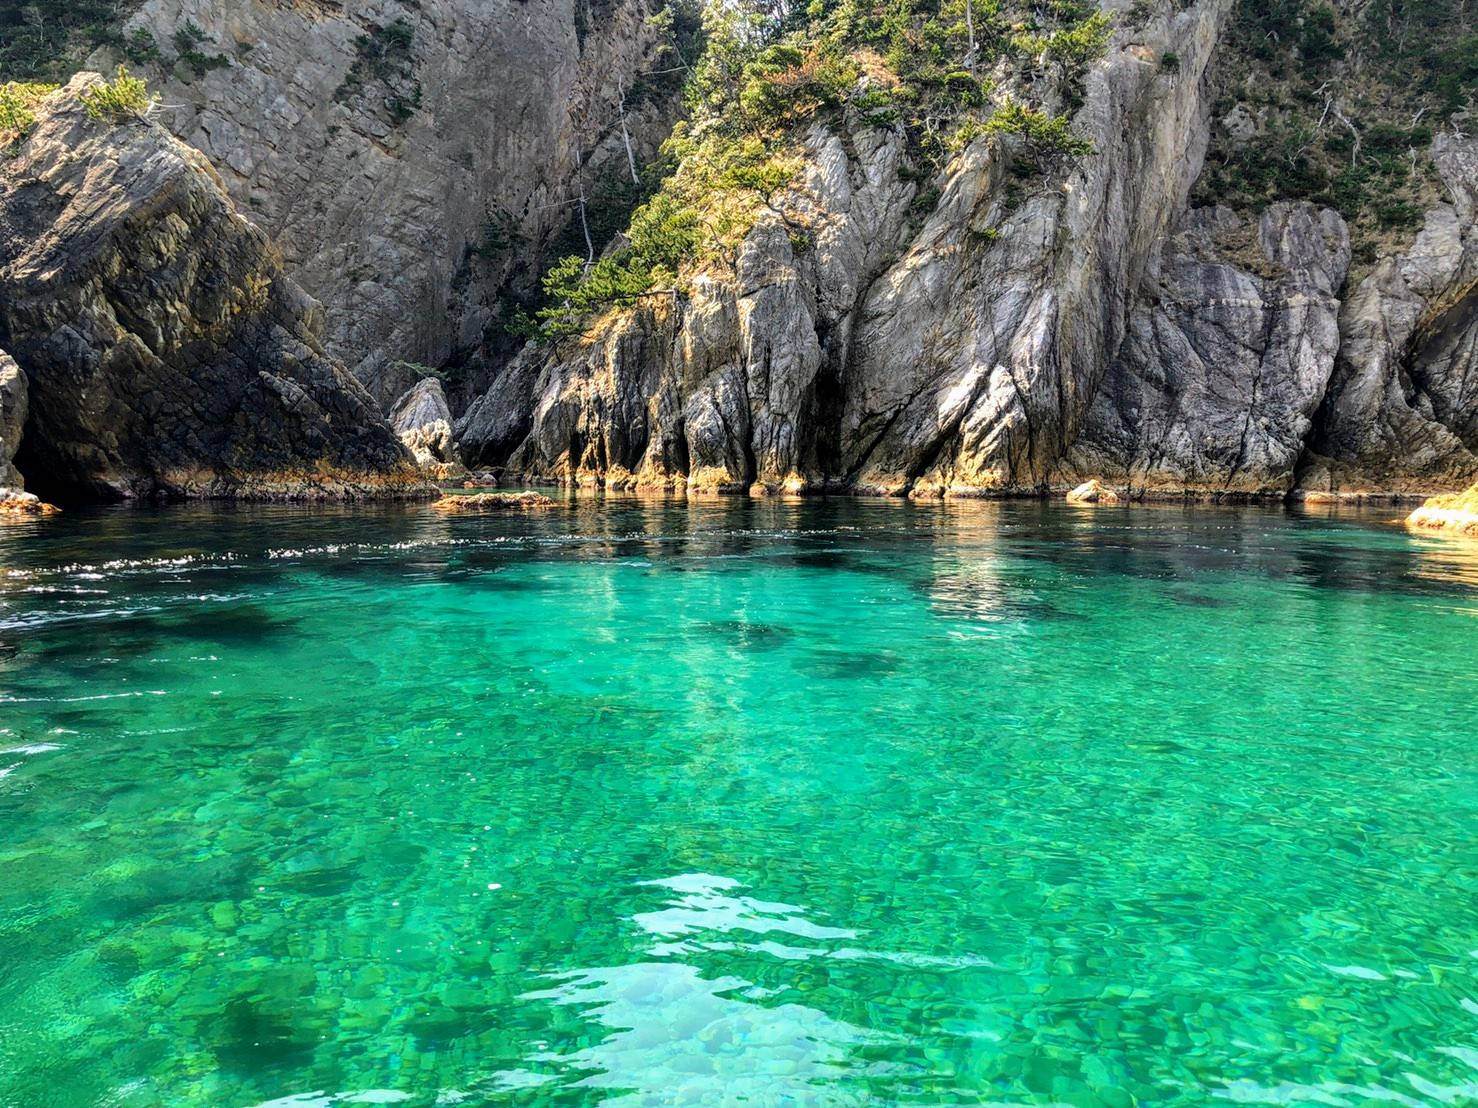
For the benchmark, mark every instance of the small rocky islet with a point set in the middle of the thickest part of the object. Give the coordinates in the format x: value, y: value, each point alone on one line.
x: 1454, y: 513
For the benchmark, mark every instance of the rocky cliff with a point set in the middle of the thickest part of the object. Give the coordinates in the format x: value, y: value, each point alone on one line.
x: 411, y: 159
x: 1031, y: 330
x: 958, y: 351
x: 164, y: 350
x: 1216, y: 384
x: 13, y: 410
x: 1401, y: 412
x: 1196, y: 248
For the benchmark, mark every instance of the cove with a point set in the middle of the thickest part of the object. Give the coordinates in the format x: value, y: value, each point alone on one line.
x: 816, y: 802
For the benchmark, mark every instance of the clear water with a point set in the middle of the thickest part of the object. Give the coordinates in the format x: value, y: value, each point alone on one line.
x: 739, y: 803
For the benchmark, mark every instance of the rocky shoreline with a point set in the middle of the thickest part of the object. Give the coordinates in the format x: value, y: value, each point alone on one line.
x: 986, y: 324
x: 1456, y: 514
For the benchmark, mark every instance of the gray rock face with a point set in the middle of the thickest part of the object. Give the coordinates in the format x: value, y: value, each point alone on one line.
x: 408, y: 158
x: 1215, y: 386
x: 1402, y: 410
x: 424, y: 423
x: 165, y: 351
x: 1092, y: 328
x: 411, y: 159
x: 958, y: 353
x: 720, y: 386
x: 13, y: 408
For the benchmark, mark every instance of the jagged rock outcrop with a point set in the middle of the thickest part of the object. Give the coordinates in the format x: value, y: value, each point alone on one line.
x: 958, y: 353
x: 717, y: 388
x: 409, y: 157
x: 165, y: 351
x: 1401, y: 414
x: 1215, y: 386
x: 423, y: 421
x: 13, y: 408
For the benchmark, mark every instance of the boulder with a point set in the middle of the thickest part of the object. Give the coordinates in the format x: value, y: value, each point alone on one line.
x: 15, y: 504
x: 1092, y: 492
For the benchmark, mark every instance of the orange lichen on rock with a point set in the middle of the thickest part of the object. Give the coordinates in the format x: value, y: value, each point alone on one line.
x: 15, y: 504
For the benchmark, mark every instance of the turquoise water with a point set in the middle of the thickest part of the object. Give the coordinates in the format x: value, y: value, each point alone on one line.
x: 746, y: 802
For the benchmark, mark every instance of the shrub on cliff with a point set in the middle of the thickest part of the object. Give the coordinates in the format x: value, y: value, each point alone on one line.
x: 124, y: 97
x: 18, y: 100
x: 769, y: 70
x: 1047, y: 140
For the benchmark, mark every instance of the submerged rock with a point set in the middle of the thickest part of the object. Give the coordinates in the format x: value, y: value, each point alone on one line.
x: 166, y: 352
x: 1455, y: 513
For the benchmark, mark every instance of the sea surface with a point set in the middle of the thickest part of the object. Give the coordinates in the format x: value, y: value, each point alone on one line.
x: 756, y: 803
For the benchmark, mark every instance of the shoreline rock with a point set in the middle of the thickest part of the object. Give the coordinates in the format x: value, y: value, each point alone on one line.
x: 454, y: 504
x: 16, y: 504
x: 1092, y: 492
x: 1455, y: 513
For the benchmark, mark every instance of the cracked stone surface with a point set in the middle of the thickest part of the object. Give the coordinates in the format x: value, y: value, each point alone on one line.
x: 423, y: 421
x: 1401, y: 414
x: 1026, y: 339
x: 1216, y: 384
x: 954, y: 351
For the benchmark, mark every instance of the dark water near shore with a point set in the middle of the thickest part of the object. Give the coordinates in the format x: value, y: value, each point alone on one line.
x: 823, y: 802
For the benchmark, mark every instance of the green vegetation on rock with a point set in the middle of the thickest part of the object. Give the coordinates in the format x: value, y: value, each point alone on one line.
x: 124, y: 97
x: 1339, y: 107
x: 188, y: 42
x: 18, y: 100
x: 768, y: 73
x: 384, y: 56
